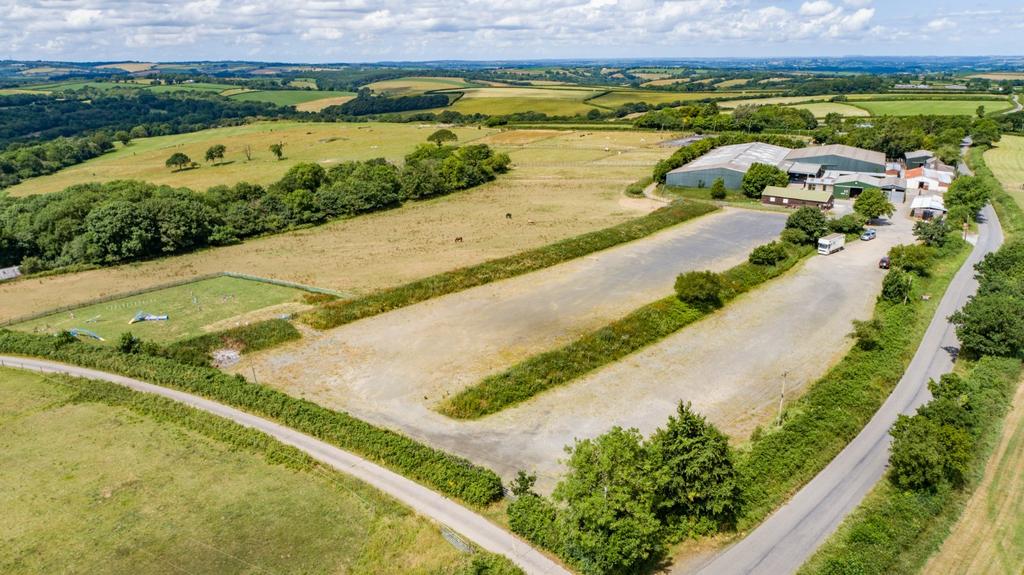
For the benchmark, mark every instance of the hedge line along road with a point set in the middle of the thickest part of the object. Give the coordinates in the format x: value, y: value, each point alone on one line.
x: 792, y: 534
x: 424, y: 501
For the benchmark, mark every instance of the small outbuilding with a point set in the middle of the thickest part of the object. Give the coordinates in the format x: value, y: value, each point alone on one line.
x: 917, y: 158
x: 928, y: 179
x: 727, y: 162
x: 853, y: 185
x: 927, y: 207
x: 797, y: 198
x: 895, y: 189
x: 9, y: 273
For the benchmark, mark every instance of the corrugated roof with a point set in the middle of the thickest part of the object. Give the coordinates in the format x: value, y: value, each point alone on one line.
x: 737, y: 157
x: 861, y: 178
x: 918, y: 154
x: 820, y: 196
x: 929, y: 202
x: 804, y: 168
x: 838, y: 150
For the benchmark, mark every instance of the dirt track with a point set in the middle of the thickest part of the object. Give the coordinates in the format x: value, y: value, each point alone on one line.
x: 393, y: 368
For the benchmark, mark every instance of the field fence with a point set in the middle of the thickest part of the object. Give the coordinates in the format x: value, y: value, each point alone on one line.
x: 167, y: 285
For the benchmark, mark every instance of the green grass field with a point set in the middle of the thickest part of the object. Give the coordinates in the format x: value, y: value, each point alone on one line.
x: 821, y: 109
x: 191, y: 307
x: 416, y: 85
x: 930, y: 107
x: 94, y: 488
x: 617, y: 98
x: 290, y: 97
x: 327, y: 143
x: 1006, y: 160
x: 501, y: 101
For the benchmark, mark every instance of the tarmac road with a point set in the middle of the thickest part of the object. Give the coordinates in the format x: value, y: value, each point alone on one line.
x: 424, y: 501
x: 792, y: 534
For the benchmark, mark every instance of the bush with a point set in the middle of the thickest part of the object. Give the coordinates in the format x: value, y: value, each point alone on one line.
x: 991, y: 324
x: 934, y: 233
x: 536, y: 519
x: 244, y: 339
x: 768, y: 254
x: 926, y: 454
x: 912, y: 258
x: 810, y: 221
x: 702, y: 290
x: 848, y: 224
x: 896, y: 286
x: 446, y: 473
x: 718, y: 189
x: 795, y: 237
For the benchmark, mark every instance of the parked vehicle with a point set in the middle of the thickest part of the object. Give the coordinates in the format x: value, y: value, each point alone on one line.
x: 883, y: 263
x: 868, y: 235
x: 831, y: 244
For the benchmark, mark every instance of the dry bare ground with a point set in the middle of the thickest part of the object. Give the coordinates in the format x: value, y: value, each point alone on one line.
x: 578, y: 193
x: 989, y: 536
x: 393, y: 368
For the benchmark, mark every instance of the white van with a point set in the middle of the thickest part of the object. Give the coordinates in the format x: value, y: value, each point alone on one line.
x: 831, y: 244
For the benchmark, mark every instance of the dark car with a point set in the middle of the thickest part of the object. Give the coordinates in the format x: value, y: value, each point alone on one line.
x: 884, y: 263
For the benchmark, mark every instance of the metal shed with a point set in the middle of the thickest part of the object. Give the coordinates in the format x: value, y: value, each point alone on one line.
x: 727, y: 162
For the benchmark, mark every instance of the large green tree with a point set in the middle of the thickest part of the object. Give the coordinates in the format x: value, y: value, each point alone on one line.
x: 873, y: 204
x: 759, y: 177
x: 178, y: 160
x: 215, y: 153
x: 442, y: 137
x: 810, y: 221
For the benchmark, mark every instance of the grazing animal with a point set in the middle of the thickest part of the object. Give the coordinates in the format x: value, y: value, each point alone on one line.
x: 508, y: 216
x: 458, y: 240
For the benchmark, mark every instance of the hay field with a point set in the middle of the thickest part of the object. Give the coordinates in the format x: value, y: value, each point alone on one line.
x: 92, y: 488
x: 327, y: 143
x: 192, y: 308
x: 416, y: 85
x: 821, y: 109
x: 565, y: 182
x: 781, y: 100
x: 130, y: 66
x: 931, y: 107
x: 1006, y: 160
x: 617, y: 98
x: 318, y: 105
x: 1000, y: 76
x: 291, y: 97
x: 500, y: 101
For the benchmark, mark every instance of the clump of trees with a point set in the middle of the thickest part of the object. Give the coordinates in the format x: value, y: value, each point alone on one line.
x: 759, y: 177
x: 745, y: 118
x: 365, y: 103
x: 809, y: 223
x: 124, y: 221
x: 623, y: 497
x: 992, y: 323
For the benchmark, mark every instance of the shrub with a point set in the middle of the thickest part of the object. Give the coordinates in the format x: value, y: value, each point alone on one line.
x: 245, y: 339
x: 896, y: 286
x: 536, y: 519
x: 702, y: 290
x: 795, y: 237
x: 926, y: 454
x: 868, y: 333
x: 848, y: 224
x: 128, y: 343
x: 768, y: 254
x: 912, y: 258
x: 810, y: 221
x: 934, y: 233
x: 718, y: 189
x: 991, y: 324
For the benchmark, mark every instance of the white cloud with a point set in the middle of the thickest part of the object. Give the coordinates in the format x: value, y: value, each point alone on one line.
x: 816, y: 8
x: 939, y: 25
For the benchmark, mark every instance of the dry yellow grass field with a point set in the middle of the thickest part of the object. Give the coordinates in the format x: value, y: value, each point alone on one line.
x: 327, y: 143
x: 565, y: 182
x: 317, y: 105
x: 130, y: 66
x: 775, y: 100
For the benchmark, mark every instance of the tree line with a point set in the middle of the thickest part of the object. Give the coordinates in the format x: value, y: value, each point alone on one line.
x: 745, y: 118
x: 121, y: 221
x: 365, y: 104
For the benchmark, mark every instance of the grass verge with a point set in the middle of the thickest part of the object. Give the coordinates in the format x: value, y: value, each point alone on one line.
x: 608, y: 344
x: 822, y: 422
x: 338, y: 313
x: 896, y: 530
x: 446, y: 473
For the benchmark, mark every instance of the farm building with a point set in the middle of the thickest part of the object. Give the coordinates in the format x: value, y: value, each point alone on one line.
x: 927, y: 206
x: 800, y: 172
x: 9, y: 273
x: 936, y: 164
x: 917, y: 158
x: 727, y: 162
x: 840, y: 157
x: 928, y: 179
x: 853, y: 185
x: 895, y: 189
x: 797, y: 197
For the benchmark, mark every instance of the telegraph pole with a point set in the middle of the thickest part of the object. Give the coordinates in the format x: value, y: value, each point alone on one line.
x: 782, y: 396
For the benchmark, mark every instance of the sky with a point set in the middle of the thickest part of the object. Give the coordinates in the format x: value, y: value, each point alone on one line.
x: 313, y: 31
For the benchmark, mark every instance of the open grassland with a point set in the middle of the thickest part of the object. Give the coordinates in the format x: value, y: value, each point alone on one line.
x: 500, y: 101
x: 193, y: 309
x: 822, y: 109
x: 1006, y: 160
x: 1000, y: 76
x: 91, y: 486
x: 780, y: 100
x: 564, y: 183
x: 130, y: 66
x: 989, y: 536
x: 416, y: 85
x: 292, y: 97
x: 617, y: 98
x: 318, y: 105
x: 326, y: 143
x: 930, y: 107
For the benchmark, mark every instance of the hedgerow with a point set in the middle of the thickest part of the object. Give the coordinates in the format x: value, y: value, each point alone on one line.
x: 246, y: 339
x: 639, y: 329
x: 338, y: 313
x: 446, y: 473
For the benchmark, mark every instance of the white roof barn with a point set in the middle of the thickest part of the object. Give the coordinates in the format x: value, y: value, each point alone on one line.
x: 727, y: 162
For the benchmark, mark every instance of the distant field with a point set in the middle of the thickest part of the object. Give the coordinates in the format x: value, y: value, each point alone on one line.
x: 1000, y: 76
x: 821, y: 109
x: 327, y: 143
x: 773, y: 100
x: 92, y: 488
x: 318, y: 105
x: 191, y: 307
x: 415, y: 85
x: 291, y: 97
x: 733, y: 82
x: 931, y: 107
x: 130, y: 66
x: 564, y: 182
x: 499, y: 101
x: 619, y: 97
x: 1007, y: 162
